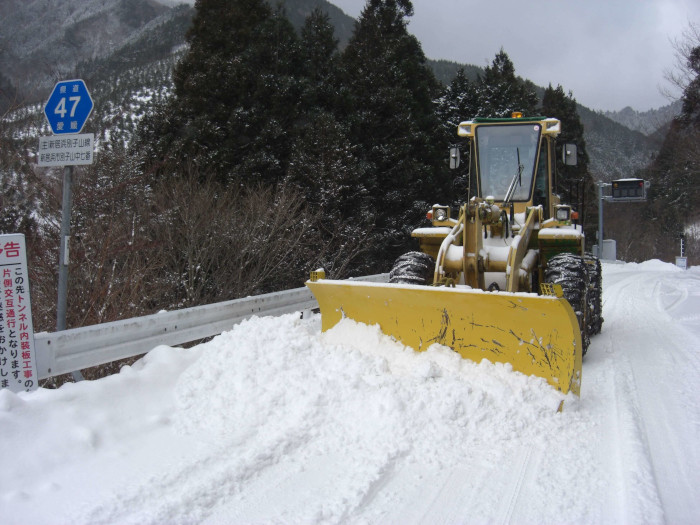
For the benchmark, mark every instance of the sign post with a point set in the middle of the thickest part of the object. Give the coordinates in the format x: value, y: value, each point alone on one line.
x: 623, y: 190
x: 682, y: 260
x: 63, y: 251
x: 67, y: 110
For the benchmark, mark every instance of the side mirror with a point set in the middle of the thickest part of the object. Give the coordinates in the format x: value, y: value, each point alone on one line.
x: 454, y: 158
x: 569, y: 155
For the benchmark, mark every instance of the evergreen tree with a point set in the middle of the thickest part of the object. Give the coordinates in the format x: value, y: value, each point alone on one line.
x: 236, y: 94
x: 562, y: 106
x: 319, y: 57
x: 459, y: 102
x: 574, y: 183
x: 16, y: 204
x: 674, y: 174
x: 326, y: 170
x: 496, y: 94
x: 690, y: 115
x: 500, y: 92
x: 687, y: 76
x: 388, y: 104
x: 19, y: 199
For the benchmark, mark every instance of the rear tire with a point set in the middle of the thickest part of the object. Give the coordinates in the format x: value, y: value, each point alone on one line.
x: 595, y: 294
x: 413, y: 268
x: 570, y: 271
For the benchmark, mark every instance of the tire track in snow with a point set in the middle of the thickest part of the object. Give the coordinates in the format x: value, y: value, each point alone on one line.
x: 634, y: 454
x: 195, y: 487
x: 524, y: 468
x: 657, y: 408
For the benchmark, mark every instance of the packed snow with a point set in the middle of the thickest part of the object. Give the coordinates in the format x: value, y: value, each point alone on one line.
x: 276, y: 422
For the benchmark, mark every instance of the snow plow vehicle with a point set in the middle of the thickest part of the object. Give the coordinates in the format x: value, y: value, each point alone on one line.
x: 507, y: 280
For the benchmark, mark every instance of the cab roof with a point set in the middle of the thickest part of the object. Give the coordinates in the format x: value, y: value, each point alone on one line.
x: 481, y: 120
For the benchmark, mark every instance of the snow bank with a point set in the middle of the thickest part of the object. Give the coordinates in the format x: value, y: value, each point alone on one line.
x: 350, y: 405
x: 653, y: 265
x: 357, y: 386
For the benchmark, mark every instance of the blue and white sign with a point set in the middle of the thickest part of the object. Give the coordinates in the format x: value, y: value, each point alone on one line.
x: 69, y: 107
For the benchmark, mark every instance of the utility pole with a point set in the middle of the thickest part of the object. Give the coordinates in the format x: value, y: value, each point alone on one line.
x: 601, y: 199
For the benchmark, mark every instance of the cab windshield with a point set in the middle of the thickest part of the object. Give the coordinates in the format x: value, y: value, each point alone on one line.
x: 506, y: 154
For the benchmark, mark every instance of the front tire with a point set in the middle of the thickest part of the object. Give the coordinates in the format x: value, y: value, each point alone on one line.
x: 413, y: 268
x: 569, y: 271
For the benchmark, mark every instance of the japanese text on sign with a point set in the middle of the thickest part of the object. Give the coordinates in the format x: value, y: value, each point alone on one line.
x: 18, y: 370
x: 66, y: 150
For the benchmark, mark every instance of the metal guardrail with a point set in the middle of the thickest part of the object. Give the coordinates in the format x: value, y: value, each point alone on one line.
x: 87, y: 346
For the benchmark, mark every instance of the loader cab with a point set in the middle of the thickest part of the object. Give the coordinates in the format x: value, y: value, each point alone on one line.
x: 512, y: 160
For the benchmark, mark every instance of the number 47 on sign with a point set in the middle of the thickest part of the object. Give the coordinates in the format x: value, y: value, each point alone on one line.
x: 68, y: 107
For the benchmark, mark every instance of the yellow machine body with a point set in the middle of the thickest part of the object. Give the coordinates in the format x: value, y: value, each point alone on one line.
x: 482, y: 298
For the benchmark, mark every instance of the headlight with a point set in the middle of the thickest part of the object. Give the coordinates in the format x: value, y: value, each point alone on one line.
x: 441, y: 214
x: 563, y: 214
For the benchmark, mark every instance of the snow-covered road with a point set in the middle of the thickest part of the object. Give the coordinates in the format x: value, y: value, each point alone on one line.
x: 649, y: 353
x: 274, y: 422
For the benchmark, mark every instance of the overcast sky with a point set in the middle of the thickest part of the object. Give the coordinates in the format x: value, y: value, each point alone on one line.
x: 609, y: 53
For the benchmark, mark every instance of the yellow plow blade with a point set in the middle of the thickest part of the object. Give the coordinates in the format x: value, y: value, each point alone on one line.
x: 537, y: 335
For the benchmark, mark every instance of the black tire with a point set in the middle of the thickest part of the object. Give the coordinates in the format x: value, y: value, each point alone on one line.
x: 570, y: 271
x: 595, y: 294
x: 413, y: 268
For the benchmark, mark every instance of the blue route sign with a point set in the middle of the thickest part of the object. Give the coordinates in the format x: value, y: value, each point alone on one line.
x: 68, y: 107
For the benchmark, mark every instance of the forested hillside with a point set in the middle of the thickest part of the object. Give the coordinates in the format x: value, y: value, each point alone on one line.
x: 647, y: 122
x: 616, y: 151
x: 41, y: 42
x: 238, y: 150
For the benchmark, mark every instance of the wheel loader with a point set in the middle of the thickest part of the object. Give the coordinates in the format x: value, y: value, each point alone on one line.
x: 505, y: 278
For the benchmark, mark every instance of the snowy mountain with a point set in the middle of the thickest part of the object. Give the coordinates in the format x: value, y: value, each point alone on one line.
x: 42, y: 42
x: 647, y: 122
x: 274, y: 422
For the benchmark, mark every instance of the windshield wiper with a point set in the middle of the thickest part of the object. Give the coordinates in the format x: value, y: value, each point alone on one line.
x: 517, y: 177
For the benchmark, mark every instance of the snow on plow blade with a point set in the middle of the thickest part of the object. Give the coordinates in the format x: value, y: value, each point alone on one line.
x: 537, y: 335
